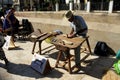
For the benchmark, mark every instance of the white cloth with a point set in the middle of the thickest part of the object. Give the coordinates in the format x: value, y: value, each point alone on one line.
x: 9, y: 42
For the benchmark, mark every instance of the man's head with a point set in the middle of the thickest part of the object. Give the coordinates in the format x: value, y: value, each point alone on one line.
x: 69, y: 15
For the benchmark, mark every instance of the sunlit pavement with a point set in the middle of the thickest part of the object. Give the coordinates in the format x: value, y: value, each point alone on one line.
x: 20, y: 60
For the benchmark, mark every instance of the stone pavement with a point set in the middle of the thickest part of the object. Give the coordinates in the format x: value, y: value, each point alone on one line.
x: 20, y: 60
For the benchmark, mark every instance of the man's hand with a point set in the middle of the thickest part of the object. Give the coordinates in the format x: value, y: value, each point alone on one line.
x: 70, y: 35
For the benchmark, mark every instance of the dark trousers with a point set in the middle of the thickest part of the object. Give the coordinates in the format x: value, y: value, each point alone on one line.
x: 2, y: 56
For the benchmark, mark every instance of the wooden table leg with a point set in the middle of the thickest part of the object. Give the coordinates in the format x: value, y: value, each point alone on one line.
x: 69, y: 64
x: 89, y: 50
x: 58, y: 58
x: 34, y: 47
x: 40, y: 47
x: 68, y: 58
x: 88, y: 45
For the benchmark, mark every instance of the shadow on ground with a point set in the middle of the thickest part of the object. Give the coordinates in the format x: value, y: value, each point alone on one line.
x: 26, y: 70
x: 95, y: 67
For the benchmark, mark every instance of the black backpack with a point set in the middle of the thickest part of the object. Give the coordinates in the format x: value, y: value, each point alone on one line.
x: 102, y: 49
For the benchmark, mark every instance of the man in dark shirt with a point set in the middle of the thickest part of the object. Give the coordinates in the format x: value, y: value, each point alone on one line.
x: 79, y: 29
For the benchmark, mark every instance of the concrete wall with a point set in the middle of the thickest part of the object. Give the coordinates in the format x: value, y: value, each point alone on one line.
x: 102, y: 26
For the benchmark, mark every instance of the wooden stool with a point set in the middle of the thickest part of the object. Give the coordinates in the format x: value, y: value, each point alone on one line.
x: 40, y: 39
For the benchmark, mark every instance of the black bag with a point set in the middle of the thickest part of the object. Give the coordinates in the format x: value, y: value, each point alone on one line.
x: 27, y: 26
x: 102, y: 49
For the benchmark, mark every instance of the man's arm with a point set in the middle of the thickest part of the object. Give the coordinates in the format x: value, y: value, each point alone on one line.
x: 72, y: 33
x: 7, y: 17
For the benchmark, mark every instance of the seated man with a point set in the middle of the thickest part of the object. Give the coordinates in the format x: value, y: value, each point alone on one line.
x: 10, y: 23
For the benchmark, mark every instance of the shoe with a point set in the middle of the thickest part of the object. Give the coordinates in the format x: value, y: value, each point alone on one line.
x: 76, y: 69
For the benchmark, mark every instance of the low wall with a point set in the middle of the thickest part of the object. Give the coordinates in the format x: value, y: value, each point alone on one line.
x: 102, y: 26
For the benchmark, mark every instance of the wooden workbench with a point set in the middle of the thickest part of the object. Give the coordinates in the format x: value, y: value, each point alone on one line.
x: 63, y: 43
